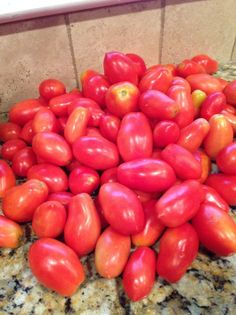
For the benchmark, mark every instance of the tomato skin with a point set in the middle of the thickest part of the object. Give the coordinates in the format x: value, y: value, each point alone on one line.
x: 118, y: 68
x: 27, y: 132
x: 210, y: 65
x: 64, y: 197
x: 103, y: 221
x: 179, y: 203
x: 95, y: 152
x: 198, y: 97
x: 109, y: 126
x: 20, y: 202
x: 45, y: 120
x: 212, y: 196
x: 83, y: 225
x: 182, y: 82
x: 49, y: 219
x: 111, y: 253
x: 231, y: 119
x: 9, y: 131
x: 52, y: 175
x: 7, y: 178
x: 148, y: 175
x: 93, y: 132
x: 213, y: 104
x: 216, y: 229
x: 182, y: 161
x: 165, y: 132
x: 152, y: 229
x: 205, y: 163
x: 204, y: 82
x: 59, y: 104
x: 226, y: 159
x: 230, y: 92
x: 11, y: 147
x: 134, y: 138
x: 127, y: 216
x: 188, y: 67
x: 178, y: 249
x: 49, y: 258
x: 11, y: 233
x: 51, y: 88
x: 138, y: 64
x: 109, y: 176
x: 139, y: 273
x: 52, y: 148
x: 23, y: 160
x: 83, y: 180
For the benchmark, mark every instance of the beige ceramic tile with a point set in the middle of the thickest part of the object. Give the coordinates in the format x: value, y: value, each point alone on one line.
x: 192, y: 27
x: 31, y: 51
x: 127, y: 28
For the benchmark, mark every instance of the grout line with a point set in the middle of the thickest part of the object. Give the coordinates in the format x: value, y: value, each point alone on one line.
x: 72, y: 51
x: 233, y: 48
x: 163, y: 13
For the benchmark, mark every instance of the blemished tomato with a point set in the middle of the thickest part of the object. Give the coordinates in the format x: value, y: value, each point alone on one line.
x: 205, y: 163
x: 9, y: 131
x: 230, y: 93
x: 179, y: 203
x: 226, y: 159
x: 49, y: 219
x: 127, y: 216
x: 51, y: 88
x: 109, y: 176
x: 83, y: 179
x: 178, y: 249
x: 165, y: 132
x: 59, y: 104
x: 139, y: 273
x: 213, y: 104
x: 83, y: 225
x: 210, y: 65
x: 56, y: 266
x: 11, y: 147
x: 7, y: 178
x: 22, y: 161
x: 27, y: 132
x: 204, y: 82
x: 52, y: 175
x: 148, y: 175
x: 45, y: 120
x: 111, y: 253
x: 212, y: 196
x: 20, y: 202
x: 64, y: 197
x: 134, y: 138
x: 11, y: 233
x: 216, y: 229
x: 138, y: 63
x: 109, y: 126
x: 188, y: 67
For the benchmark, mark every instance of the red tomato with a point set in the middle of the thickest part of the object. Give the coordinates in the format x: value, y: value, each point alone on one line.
x: 210, y: 65
x: 109, y: 176
x: 73, y: 164
x: 83, y: 180
x: 20, y: 202
x: 127, y: 216
x: 139, y: 273
x: 11, y: 233
x: 49, y: 219
x: 64, y: 197
x: 145, y: 196
x: 9, y: 131
x: 204, y: 82
x: 45, y: 120
x: 62, y: 123
x: 134, y: 138
x: 231, y: 119
x: 156, y: 154
x: 22, y: 161
x: 56, y: 266
x: 165, y: 132
x: 7, y: 178
x: 205, y: 163
x: 226, y: 159
x: 11, y: 147
x: 42, y: 101
x: 59, y: 104
x: 109, y: 127
x: 178, y: 249
x: 104, y: 222
x: 182, y: 82
x: 230, y: 93
x: 111, y: 253
x: 223, y: 83
x: 27, y: 132
x: 213, y: 104
x: 55, y: 178
x: 212, y: 196
x: 83, y: 225
x: 188, y: 67
x: 148, y: 175
x: 216, y: 229
x: 179, y: 203
x: 51, y: 88
x: 138, y: 64
x: 76, y: 91
x: 93, y: 132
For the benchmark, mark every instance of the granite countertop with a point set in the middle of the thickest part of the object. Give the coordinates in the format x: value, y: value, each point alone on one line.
x: 208, y: 287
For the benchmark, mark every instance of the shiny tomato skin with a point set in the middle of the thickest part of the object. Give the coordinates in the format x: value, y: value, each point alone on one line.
x: 188, y: 67
x: 205, y: 163
x: 210, y: 65
x: 103, y: 221
x: 83, y: 225
x: 134, y: 138
x: 7, y: 177
x: 93, y: 132
x: 226, y: 159
x: 64, y: 197
x: 216, y: 229
x: 59, y: 104
x: 178, y: 248
x: 138, y: 63
x: 231, y: 119
x: 111, y: 253
x: 52, y: 148
x: 83, y: 180
x: 212, y: 196
x: 109, y: 176
x: 11, y: 147
x: 56, y: 266
x: 82, y: 102
x: 27, y: 132
x: 9, y: 131
x: 11, y: 233
x: 198, y: 97
x: 139, y: 273
x: 165, y: 132
x: 20, y: 202
x: 127, y: 216
x: 230, y: 92
x: 179, y: 203
x: 213, y: 104
x: 51, y: 88
x: 148, y: 175
x: 204, y: 82
x: 109, y: 126
x: 95, y: 87
x: 182, y: 82
x: 52, y: 175
x: 23, y: 160
x: 45, y: 120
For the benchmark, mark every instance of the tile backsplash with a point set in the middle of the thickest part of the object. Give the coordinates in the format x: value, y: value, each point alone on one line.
x: 65, y: 45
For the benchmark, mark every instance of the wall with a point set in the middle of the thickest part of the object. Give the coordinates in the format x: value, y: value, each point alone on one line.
x: 65, y: 45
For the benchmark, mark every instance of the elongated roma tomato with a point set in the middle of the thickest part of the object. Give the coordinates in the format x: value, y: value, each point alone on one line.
x: 212, y: 196
x: 23, y: 160
x: 51, y: 88
x: 64, y: 197
x: 56, y: 266
x: 109, y: 126
x: 83, y: 179
x: 165, y: 132
x: 188, y: 67
x: 27, y: 132
x: 9, y: 131
x: 7, y: 178
x: 45, y: 120
x: 226, y: 159
x: 204, y: 82
x: 138, y: 63
x: 11, y: 147
x: 59, y: 104
x: 230, y: 93
x: 213, y: 104
x: 210, y: 65
x: 11, y: 233
x: 95, y: 87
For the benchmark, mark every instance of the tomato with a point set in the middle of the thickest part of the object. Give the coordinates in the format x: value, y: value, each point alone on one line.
x: 20, y: 202
x: 64, y: 197
x: 134, y: 138
x: 188, y: 67
x: 171, y: 67
x: 204, y: 82
x: 103, y: 221
x: 216, y: 229
x: 59, y: 104
x: 45, y: 120
x: 210, y: 65
x: 61, y: 123
x: 73, y: 164
x: 109, y: 176
x: 42, y: 101
x: 76, y: 91
x: 144, y: 196
x: 152, y: 229
x: 230, y: 93
x: 93, y: 132
x: 83, y: 225
x: 27, y: 132
x: 213, y: 104
x: 138, y: 64
x: 9, y: 131
x: 52, y: 175
x: 179, y: 203
x: 52, y: 148
x: 198, y: 97
x: 11, y: 147
x: 219, y: 136
x: 178, y: 249
x: 165, y: 132
x: 111, y: 253
x: 212, y: 196
x: 7, y: 178
x: 95, y: 152
x: 182, y: 82
x: 148, y: 175
x: 49, y: 219
x: 205, y: 162
x: 226, y: 159
x: 230, y: 109
x: 83, y: 180
x: 139, y: 273
x: 11, y: 233
x: 109, y: 127
x: 118, y: 68
x: 126, y: 216
x: 183, y: 162
x: 23, y: 160
x: 231, y: 119
x: 56, y: 266
x: 51, y: 88
x: 156, y: 154
x: 158, y: 105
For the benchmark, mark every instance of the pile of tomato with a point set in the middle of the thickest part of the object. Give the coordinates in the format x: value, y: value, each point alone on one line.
x: 119, y: 166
